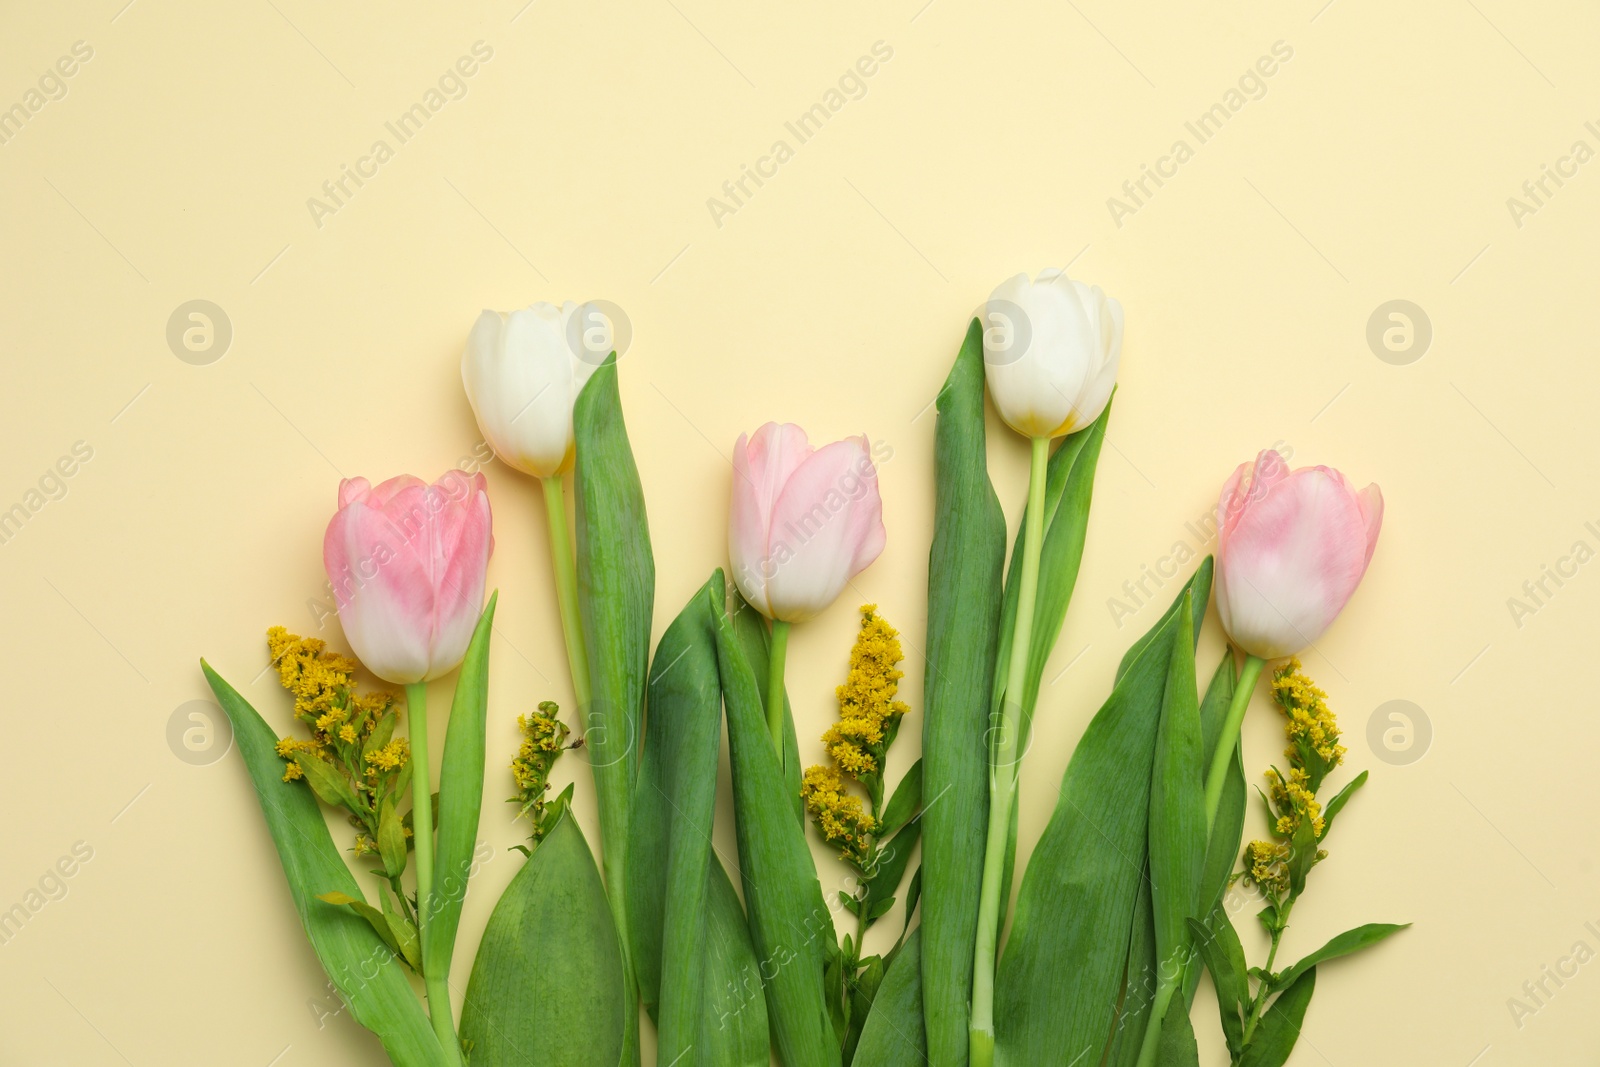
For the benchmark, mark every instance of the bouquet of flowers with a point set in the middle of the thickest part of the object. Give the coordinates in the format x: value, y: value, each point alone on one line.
x: 1124, y: 904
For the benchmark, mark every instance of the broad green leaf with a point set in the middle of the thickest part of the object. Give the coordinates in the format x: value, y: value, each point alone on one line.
x: 1139, y: 983
x: 1177, y: 802
x: 790, y: 924
x: 1279, y: 1029
x: 1062, y: 974
x: 365, y: 971
x: 1177, y: 1047
x: 547, y: 987
x: 965, y: 573
x: 1337, y: 804
x: 755, y: 638
x: 616, y: 594
x: 905, y: 802
x: 460, y: 793
x: 1342, y: 945
x: 893, y: 1034
x: 690, y: 941
x: 1223, y: 956
x: 733, y: 1021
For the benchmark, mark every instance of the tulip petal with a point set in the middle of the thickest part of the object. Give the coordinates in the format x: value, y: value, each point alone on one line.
x: 1293, y: 557
x: 761, y: 466
x: 827, y: 525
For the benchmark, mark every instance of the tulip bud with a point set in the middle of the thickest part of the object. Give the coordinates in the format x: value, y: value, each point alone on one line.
x: 1050, y: 352
x: 802, y: 522
x: 523, y: 373
x: 408, y: 563
x: 1291, y: 549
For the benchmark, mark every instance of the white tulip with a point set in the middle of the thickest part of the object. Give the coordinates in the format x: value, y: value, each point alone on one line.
x: 1050, y: 352
x: 523, y: 373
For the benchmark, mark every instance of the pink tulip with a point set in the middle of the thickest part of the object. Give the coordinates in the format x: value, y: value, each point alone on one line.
x: 802, y: 522
x: 407, y: 561
x: 1291, y: 549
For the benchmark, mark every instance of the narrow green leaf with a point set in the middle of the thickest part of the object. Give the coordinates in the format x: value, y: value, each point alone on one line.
x: 1342, y: 945
x: 460, y: 793
x: 330, y: 786
x: 790, y: 924
x: 391, y: 839
x: 885, y: 880
x: 1059, y: 982
x: 1219, y: 948
x: 1069, y: 489
x: 905, y: 802
x: 1337, y: 804
x: 366, y: 973
x: 1275, y: 1037
x: 965, y: 571
x: 862, y: 993
x: 913, y: 897
x: 405, y: 937
x: 547, y: 987
x: 1177, y: 801
x: 1222, y: 850
x: 616, y: 594
x: 755, y: 639
x: 894, y: 1033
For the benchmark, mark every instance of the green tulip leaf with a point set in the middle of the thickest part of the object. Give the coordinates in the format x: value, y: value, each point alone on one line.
x: 965, y: 571
x: 1061, y: 977
x: 547, y: 987
x: 366, y: 972
x: 460, y: 797
x: 790, y: 924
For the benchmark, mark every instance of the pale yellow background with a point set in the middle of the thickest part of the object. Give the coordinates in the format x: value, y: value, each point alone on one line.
x: 1377, y: 166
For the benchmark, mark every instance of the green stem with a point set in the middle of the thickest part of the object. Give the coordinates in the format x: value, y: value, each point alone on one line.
x: 775, y: 662
x: 1152, y: 1027
x: 1003, y: 769
x: 1228, y: 739
x: 438, y: 984
x: 1260, y: 1000
x: 566, y: 568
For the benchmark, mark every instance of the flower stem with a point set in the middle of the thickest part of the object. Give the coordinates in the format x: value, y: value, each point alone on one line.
x: 1005, y: 755
x: 775, y: 662
x: 1259, y: 1001
x: 566, y: 568
x: 1152, y: 1029
x: 438, y: 984
x: 1228, y: 739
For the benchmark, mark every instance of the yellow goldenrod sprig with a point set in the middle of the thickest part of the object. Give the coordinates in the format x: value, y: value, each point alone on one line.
x: 361, y: 764
x: 544, y: 738
x: 869, y: 714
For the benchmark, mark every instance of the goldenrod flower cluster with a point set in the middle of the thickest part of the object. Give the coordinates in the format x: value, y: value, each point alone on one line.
x: 544, y: 738
x: 1313, y: 751
x: 351, y: 731
x: 839, y: 815
x: 1311, y: 728
x: 869, y: 718
x: 869, y: 714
